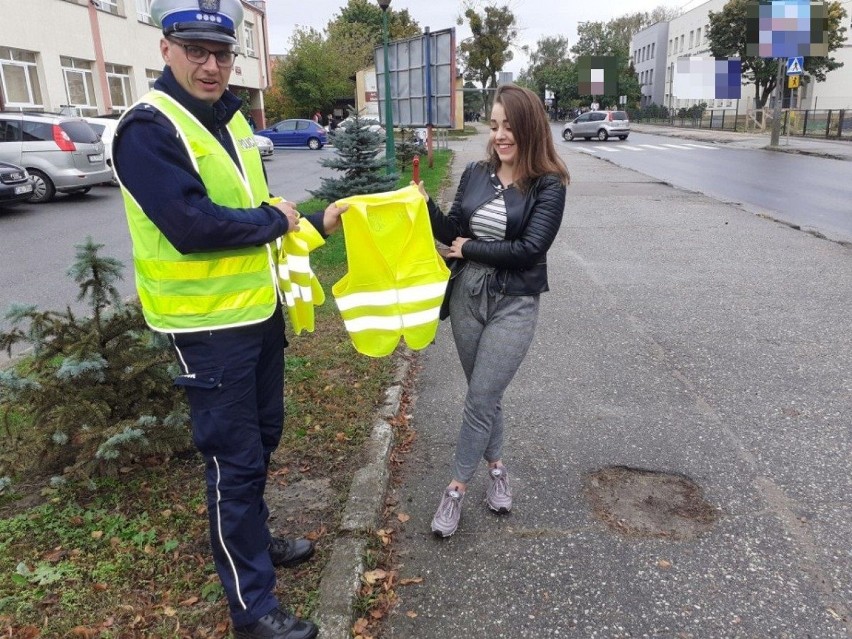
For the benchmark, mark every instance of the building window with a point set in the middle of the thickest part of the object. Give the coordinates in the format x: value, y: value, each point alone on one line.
x: 152, y: 75
x: 118, y: 79
x: 653, y: 47
x: 19, y: 78
x: 79, y: 85
x: 248, y: 33
x: 143, y: 11
x: 698, y: 37
x: 691, y: 36
x: 682, y: 40
x: 110, y: 6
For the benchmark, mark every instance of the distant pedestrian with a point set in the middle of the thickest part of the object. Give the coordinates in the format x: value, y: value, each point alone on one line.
x: 318, y: 117
x: 505, y: 216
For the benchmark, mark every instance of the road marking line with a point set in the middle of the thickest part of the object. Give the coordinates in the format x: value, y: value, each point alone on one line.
x: 703, y: 146
x: 677, y: 146
x: 654, y: 146
x: 629, y: 148
x: 604, y: 148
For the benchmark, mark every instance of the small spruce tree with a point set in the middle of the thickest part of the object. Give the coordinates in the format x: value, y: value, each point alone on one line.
x: 97, y: 391
x: 357, y: 149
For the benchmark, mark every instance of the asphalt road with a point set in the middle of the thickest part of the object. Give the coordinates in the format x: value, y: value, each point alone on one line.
x: 810, y: 192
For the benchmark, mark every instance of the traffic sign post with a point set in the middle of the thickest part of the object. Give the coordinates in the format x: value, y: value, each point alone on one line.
x: 796, y: 65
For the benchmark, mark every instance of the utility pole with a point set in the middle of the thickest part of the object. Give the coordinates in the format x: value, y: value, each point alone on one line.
x: 779, y: 97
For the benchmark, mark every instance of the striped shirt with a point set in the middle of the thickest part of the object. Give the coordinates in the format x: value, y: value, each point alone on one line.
x: 489, y: 222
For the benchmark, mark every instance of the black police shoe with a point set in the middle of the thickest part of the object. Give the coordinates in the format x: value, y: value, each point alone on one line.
x: 289, y: 552
x: 277, y: 625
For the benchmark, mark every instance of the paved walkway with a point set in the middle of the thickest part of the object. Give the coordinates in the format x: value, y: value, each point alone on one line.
x: 681, y: 336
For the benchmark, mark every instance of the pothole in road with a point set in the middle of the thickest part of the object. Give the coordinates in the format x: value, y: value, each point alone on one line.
x: 646, y: 503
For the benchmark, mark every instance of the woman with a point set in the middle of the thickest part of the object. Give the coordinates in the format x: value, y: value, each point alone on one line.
x: 505, y: 216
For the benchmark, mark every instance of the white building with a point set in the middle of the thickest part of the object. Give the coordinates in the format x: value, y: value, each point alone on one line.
x: 687, y: 36
x: 649, y: 60
x: 97, y: 57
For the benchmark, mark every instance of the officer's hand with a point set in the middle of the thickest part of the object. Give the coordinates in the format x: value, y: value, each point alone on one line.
x: 289, y: 211
x: 422, y: 189
x: 331, y: 218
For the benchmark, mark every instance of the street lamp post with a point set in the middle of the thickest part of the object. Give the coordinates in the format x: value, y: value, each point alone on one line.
x: 390, y: 150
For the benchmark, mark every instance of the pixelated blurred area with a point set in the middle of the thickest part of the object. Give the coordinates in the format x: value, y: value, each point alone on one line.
x: 597, y: 75
x: 704, y: 78
x: 786, y: 28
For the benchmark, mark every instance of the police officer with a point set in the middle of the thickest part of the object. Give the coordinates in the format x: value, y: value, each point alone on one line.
x: 203, y: 235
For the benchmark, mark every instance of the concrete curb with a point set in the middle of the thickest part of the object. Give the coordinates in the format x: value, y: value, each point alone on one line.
x: 341, y: 577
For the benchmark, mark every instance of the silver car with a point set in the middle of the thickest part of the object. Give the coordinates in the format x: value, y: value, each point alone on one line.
x: 598, y: 124
x: 61, y: 153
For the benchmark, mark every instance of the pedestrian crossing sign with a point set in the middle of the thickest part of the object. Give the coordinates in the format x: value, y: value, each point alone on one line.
x: 793, y: 82
x: 795, y: 66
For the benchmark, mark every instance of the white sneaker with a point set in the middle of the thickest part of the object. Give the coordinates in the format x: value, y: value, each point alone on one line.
x: 446, y: 518
x: 498, y: 496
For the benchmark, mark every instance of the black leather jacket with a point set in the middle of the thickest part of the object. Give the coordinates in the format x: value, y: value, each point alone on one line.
x: 533, y: 219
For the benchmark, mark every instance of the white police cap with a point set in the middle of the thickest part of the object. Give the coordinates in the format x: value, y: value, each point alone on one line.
x: 215, y: 20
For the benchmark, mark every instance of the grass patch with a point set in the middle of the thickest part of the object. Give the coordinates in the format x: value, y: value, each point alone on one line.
x: 129, y: 557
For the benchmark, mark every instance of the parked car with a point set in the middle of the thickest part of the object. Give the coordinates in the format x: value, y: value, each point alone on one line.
x: 105, y: 128
x: 296, y: 133
x: 264, y: 145
x: 61, y: 153
x: 373, y: 125
x: 16, y: 185
x: 598, y: 124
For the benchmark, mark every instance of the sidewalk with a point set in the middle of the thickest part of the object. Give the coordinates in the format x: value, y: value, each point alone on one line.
x: 834, y: 149
x: 681, y: 336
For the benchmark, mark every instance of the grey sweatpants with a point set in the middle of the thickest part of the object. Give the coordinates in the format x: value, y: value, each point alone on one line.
x: 493, y: 333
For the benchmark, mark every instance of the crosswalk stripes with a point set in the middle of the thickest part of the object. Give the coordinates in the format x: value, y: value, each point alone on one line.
x: 617, y: 148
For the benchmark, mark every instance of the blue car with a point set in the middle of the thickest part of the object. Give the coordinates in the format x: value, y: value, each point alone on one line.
x: 296, y: 133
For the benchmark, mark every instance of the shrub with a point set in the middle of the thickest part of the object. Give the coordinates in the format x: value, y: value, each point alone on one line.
x: 97, y: 391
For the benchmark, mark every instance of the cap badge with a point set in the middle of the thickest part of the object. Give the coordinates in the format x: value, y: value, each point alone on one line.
x: 209, y: 6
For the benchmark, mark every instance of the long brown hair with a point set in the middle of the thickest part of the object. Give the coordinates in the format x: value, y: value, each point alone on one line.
x: 533, y: 140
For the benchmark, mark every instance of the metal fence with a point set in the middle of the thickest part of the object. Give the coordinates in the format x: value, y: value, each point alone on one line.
x: 822, y: 123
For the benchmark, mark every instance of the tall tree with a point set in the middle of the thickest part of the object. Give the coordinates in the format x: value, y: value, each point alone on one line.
x: 727, y: 38
x: 488, y: 50
x: 310, y: 75
x: 613, y: 39
x: 551, y: 68
x: 357, y: 31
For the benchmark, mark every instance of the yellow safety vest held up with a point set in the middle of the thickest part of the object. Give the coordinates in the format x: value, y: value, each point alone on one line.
x: 296, y: 280
x: 216, y: 289
x: 396, y: 279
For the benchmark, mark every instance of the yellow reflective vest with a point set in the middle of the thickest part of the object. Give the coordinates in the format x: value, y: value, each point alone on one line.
x: 216, y: 289
x: 396, y: 279
x: 296, y: 280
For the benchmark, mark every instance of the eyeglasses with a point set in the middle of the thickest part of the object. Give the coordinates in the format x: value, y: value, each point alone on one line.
x: 200, y: 55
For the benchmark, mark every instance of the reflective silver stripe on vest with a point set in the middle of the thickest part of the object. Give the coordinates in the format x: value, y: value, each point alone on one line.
x: 392, y: 322
x: 392, y: 296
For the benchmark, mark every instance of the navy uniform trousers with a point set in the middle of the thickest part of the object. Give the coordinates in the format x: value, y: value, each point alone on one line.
x: 234, y: 381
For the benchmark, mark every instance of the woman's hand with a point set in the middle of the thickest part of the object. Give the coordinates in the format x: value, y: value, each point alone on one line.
x: 422, y: 189
x: 331, y: 217
x: 456, y: 247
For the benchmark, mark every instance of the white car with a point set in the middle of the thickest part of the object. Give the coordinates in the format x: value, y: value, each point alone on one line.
x: 105, y: 128
x: 264, y: 145
x: 372, y: 125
